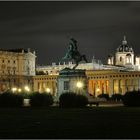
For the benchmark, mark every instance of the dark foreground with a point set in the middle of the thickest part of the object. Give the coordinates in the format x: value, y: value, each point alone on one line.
x: 95, y: 122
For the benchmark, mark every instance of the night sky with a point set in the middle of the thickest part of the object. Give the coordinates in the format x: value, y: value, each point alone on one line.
x: 46, y: 27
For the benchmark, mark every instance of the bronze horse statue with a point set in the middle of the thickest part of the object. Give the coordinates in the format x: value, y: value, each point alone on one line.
x: 73, y: 53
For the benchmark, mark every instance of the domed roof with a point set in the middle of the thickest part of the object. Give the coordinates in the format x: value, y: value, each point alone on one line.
x: 124, y: 47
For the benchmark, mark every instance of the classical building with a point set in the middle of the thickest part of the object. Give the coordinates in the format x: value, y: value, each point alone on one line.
x: 17, y: 67
x: 112, y: 82
x: 98, y: 82
x: 45, y: 83
x: 121, y: 74
x: 125, y: 57
x: 55, y: 68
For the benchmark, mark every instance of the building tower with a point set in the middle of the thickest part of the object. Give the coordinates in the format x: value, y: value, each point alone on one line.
x: 124, y: 54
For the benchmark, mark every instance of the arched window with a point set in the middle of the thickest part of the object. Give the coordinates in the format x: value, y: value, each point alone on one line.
x: 128, y: 58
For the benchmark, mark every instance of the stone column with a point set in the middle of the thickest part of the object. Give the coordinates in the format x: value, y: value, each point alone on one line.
x: 96, y: 87
x: 119, y: 88
x: 100, y: 87
x: 90, y: 90
x: 126, y: 86
x: 111, y: 87
x: 132, y: 84
x: 105, y: 86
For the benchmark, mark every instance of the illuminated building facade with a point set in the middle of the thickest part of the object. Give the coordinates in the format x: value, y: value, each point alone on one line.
x: 45, y: 83
x: 122, y: 73
x: 98, y: 82
x: 112, y: 82
x: 17, y: 67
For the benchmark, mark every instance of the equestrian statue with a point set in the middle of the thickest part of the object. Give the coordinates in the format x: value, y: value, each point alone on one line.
x: 73, y: 53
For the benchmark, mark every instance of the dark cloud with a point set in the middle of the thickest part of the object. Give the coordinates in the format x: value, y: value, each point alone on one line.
x: 47, y: 26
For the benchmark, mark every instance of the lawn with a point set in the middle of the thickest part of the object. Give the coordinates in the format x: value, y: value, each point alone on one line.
x: 95, y: 122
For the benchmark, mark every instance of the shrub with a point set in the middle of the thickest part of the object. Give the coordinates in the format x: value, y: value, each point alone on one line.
x: 24, y: 95
x: 72, y: 100
x: 131, y: 98
x: 116, y: 97
x: 43, y: 99
x: 8, y: 99
x: 106, y: 96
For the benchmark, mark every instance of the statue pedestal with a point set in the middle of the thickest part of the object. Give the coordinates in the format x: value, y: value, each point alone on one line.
x: 72, y: 80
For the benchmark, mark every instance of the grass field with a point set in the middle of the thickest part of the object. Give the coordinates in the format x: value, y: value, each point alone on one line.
x: 95, y: 122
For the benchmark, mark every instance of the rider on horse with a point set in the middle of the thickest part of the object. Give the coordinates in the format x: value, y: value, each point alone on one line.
x: 73, y: 53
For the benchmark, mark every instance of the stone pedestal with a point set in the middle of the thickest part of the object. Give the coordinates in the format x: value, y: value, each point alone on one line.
x: 70, y: 80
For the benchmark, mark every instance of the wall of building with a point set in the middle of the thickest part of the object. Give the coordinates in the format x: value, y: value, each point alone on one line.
x: 17, y: 63
x: 44, y: 82
x: 112, y: 82
x: 99, y: 81
x: 16, y: 68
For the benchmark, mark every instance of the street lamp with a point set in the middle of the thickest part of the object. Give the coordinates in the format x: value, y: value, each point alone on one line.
x: 14, y: 89
x: 27, y: 88
x: 48, y: 90
x: 79, y: 86
x: 19, y: 90
x: 98, y: 90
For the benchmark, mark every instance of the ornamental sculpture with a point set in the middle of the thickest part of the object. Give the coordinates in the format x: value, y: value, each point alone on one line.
x: 73, y: 53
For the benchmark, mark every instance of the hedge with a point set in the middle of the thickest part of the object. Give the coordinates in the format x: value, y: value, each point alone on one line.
x: 131, y: 98
x: 41, y: 99
x: 8, y: 99
x: 72, y: 100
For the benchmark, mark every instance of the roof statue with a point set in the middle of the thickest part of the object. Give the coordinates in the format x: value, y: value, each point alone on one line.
x: 73, y: 53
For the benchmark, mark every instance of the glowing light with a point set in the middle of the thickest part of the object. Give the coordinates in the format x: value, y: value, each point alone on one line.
x: 79, y: 84
x: 48, y: 90
x: 14, y: 89
x: 27, y: 88
x: 19, y: 90
x: 98, y: 90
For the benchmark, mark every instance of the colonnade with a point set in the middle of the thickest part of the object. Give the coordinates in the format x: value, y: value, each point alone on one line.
x: 46, y: 86
x: 112, y: 86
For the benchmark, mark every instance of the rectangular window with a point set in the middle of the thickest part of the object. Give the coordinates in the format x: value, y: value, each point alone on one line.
x: 66, y: 85
x: 14, y: 72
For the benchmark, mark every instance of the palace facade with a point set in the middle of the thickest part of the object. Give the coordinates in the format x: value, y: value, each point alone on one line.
x: 17, y: 67
x: 119, y: 75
